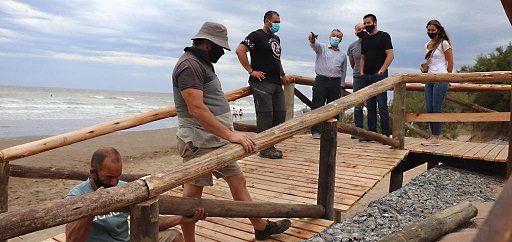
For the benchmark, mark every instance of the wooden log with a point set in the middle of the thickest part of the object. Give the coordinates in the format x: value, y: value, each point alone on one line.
x: 61, y: 140
x: 509, y: 156
x: 437, y: 225
x: 49, y: 214
x: 303, y: 98
x: 289, y: 99
x: 417, y: 131
x: 454, y: 87
x: 458, y: 117
x: 242, y: 127
x: 396, y: 179
x: 4, y: 188
x: 399, y: 114
x: 237, y: 209
x: 363, y: 133
x: 497, y: 227
x: 327, y: 167
x: 58, y: 173
x: 467, y: 104
x: 144, y: 221
x: 494, y: 76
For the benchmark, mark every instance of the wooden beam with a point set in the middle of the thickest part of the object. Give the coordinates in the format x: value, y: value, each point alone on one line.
x: 243, y: 127
x: 327, y: 167
x: 144, y: 221
x: 454, y: 87
x: 399, y: 114
x: 467, y: 104
x: 507, y: 5
x: 396, y: 179
x: 458, y: 117
x: 61, y: 140
x: 49, y: 214
x: 509, y: 156
x: 237, y: 209
x: 435, y: 226
x: 495, y: 76
x: 303, y: 98
x: 417, y: 131
x: 4, y: 187
x: 363, y: 133
x: 58, y: 173
x: 289, y: 98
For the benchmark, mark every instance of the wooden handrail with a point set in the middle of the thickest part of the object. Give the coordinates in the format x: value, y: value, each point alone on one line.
x: 458, y: 117
x: 61, y: 140
x: 495, y: 76
x: 15, y: 223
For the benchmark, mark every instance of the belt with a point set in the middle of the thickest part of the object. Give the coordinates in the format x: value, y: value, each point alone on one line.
x: 329, y: 78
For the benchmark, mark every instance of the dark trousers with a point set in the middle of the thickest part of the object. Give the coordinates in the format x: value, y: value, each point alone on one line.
x: 325, y: 90
x: 358, y: 84
x: 434, y: 98
x: 382, y: 101
x: 269, y: 104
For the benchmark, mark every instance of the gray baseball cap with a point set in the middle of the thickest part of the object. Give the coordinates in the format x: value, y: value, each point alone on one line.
x: 214, y: 32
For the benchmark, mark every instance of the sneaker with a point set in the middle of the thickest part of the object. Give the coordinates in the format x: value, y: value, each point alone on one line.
x: 431, y: 143
x: 272, y: 228
x: 316, y: 135
x: 354, y: 137
x: 271, y: 153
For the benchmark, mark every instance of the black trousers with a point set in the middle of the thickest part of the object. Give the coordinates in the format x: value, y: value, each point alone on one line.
x: 325, y: 90
x: 269, y: 104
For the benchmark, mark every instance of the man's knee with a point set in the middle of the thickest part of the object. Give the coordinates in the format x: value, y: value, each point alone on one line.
x: 191, y: 190
x: 237, y: 180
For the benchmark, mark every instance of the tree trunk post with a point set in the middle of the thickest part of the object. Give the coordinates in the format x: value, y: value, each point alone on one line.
x: 4, y: 185
x: 399, y: 114
x: 396, y: 179
x: 289, y: 96
x: 144, y: 221
x: 327, y: 167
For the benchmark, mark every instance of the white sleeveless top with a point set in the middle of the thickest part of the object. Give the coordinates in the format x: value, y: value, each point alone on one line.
x: 438, y: 63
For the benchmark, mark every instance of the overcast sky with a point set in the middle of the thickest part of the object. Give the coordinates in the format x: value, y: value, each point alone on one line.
x: 133, y: 45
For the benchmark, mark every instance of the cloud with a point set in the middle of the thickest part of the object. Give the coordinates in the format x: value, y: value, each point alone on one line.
x: 118, y: 58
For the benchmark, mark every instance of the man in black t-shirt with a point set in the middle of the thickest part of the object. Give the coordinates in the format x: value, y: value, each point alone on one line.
x: 265, y: 76
x: 376, y: 56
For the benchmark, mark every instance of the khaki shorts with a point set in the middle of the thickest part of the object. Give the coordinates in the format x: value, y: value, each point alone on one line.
x: 168, y: 235
x: 188, y: 152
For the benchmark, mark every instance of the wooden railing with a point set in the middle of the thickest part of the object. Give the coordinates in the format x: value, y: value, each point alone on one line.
x: 58, y: 212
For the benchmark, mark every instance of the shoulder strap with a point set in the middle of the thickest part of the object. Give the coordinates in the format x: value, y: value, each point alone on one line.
x: 431, y: 51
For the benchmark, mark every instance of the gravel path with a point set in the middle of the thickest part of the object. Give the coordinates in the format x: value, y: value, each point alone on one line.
x: 428, y: 193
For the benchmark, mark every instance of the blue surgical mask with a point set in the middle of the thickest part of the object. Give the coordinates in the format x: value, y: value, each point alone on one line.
x: 335, y: 41
x: 274, y: 28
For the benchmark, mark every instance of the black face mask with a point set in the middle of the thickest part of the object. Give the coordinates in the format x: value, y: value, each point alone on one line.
x: 369, y: 28
x: 432, y: 35
x: 99, y: 183
x: 362, y: 34
x: 215, y: 53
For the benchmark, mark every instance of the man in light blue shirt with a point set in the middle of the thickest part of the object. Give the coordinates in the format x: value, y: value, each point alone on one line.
x: 330, y: 69
x: 106, y: 168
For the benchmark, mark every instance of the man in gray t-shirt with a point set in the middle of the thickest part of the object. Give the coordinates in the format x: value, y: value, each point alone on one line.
x: 354, y: 55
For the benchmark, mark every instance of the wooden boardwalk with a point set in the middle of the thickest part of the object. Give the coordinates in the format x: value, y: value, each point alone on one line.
x: 468, y: 150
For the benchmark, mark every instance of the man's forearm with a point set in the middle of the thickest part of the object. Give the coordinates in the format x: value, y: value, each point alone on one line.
x: 165, y: 222
x: 387, y: 62
x: 209, y: 122
x: 241, y: 53
x: 361, y: 65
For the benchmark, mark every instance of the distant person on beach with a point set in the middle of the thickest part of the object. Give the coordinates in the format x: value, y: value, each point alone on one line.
x: 206, y: 123
x: 106, y: 168
x: 376, y: 57
x: 354, y: 56
x: 330, y: 69
x: 235, y: 113
x: 240, y: 113
x: 266, y: 76
x: 439, y: 57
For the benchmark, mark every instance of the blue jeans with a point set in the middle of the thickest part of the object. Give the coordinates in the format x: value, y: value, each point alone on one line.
x: 382, y: 101
x: 434, y: 98
x: 358, y: 84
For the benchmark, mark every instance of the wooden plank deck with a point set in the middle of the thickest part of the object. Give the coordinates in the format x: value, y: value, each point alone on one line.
x: 469, y: 150
x: 293, y: 179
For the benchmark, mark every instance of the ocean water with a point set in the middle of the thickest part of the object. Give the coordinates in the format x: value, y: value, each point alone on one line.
x: 34, y: 111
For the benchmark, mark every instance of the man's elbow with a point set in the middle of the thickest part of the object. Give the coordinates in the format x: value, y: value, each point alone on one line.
x: 241, y: 50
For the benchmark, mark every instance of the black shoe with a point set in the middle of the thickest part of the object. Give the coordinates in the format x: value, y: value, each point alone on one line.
x: 272, y: 228
x: 364, y: 140
x: 276, y: 150
x: 271, y: 153
x: 354, y: 137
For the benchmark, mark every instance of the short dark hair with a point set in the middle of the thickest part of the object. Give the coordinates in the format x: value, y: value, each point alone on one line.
x: 101, y: 154
x: 268, y: 15
x: 372, y: 16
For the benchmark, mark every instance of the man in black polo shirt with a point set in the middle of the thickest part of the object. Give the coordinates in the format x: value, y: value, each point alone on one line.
x: 266, y: 76
x: 376, y: 56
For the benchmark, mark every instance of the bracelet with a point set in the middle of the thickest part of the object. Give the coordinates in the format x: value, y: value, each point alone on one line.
x: 251, y: 72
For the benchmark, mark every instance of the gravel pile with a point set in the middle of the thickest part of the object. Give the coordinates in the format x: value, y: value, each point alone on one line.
x: 428, y: 193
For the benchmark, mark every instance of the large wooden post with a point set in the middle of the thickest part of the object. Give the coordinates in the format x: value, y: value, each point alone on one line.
x: 144, y: 221
x: 399, y: 114
x: 509, y: 158
x: 289, y: 97
x: 4, y: 185
x: 327, y: 169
